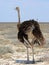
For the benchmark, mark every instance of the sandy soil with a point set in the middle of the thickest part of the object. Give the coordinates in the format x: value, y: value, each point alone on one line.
x: 12, y: 52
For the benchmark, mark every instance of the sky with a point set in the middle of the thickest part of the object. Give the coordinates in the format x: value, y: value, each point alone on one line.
x: 29, y: 9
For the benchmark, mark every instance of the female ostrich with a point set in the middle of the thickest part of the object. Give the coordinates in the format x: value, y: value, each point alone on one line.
x: 27, y: 27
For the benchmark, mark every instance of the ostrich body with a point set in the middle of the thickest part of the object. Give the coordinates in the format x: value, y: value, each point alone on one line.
x: 24, y: 29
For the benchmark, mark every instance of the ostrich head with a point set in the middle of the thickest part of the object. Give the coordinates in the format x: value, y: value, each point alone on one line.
x: 18, y: 10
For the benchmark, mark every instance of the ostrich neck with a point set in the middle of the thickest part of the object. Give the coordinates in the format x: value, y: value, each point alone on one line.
x: 18, y: 25
x: 18, y: 17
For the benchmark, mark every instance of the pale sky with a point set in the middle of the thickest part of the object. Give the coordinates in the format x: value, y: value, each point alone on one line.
x: 29, y: 9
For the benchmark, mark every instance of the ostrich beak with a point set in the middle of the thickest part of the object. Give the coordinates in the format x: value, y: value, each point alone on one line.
x: 15, y: 8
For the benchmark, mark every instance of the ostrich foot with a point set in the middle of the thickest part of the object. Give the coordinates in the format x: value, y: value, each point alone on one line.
x: 33, y: 62
x: 30, y: 62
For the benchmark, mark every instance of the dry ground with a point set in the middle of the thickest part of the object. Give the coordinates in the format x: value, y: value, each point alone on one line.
x: 12, y: 52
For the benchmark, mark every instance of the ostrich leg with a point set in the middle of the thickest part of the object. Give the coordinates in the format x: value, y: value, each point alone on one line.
x: 27, y: 54
x: 27, y: 46
x: 33, y: 42
x: 33, y: 60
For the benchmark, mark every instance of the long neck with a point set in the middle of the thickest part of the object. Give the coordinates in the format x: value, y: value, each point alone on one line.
x: 18, y: 16
x: 18, y: 25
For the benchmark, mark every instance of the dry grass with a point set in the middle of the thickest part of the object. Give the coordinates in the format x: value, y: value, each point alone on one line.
x: 11, y: 49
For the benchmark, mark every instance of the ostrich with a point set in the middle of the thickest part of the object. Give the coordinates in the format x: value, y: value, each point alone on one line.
x: 26, y: 27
